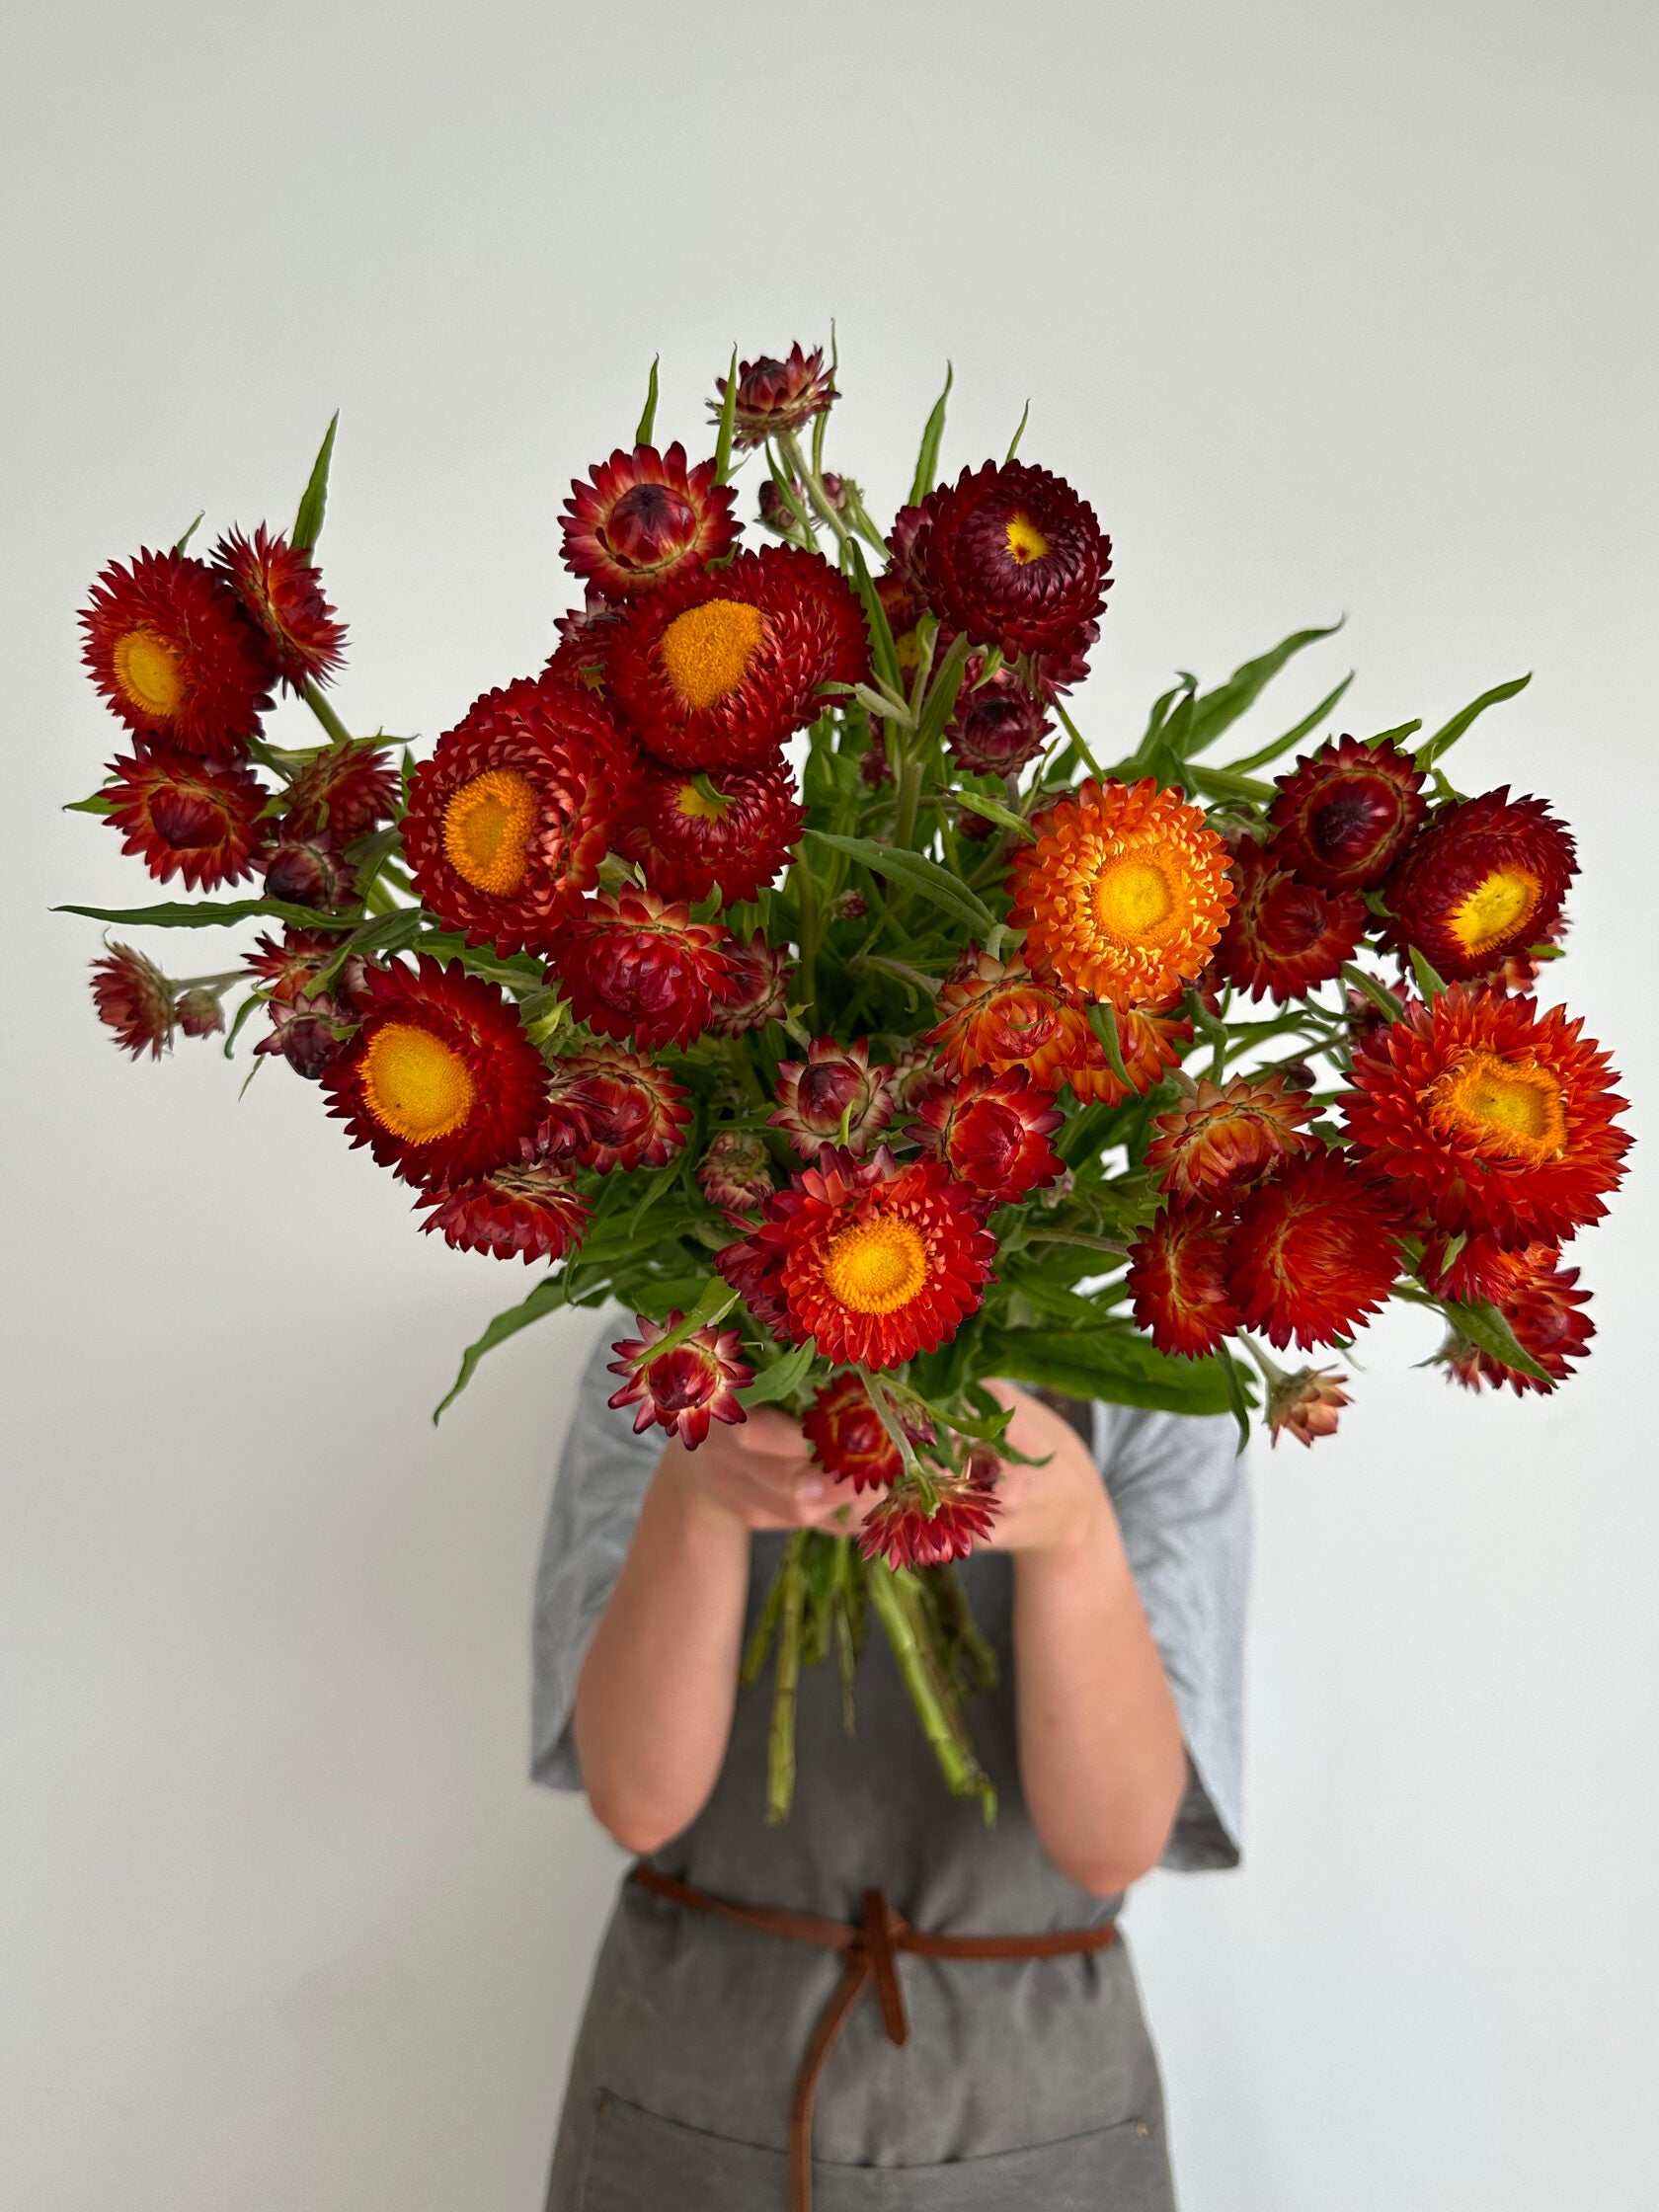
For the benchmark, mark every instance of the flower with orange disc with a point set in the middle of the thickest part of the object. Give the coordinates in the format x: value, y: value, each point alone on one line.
x: 993, y: 1131
x: 848, y: 1439
x: 1314, y: 1252
x: 755, y: 988
x: 692, y: 831
x: 735, y: 1173
x: 1124, y: 894
x: 198, y: 818
x: 715, y: 668
x: 171, y: 651
x: 280, y: 591
x: 440, y: 1081
x: 345, y: 789
x: 775, y: 398
x: 877, y: 1261
x: 631, y: 966
x: 135, y: 999
x: 1305, y: 1404
x: 614, y: 1110
x: 507, y: 821
x: 1285, y: 936
x: 686, y: 1387
x: 1345, y: 814
x: 1489, y: 1117
x: 1177, y: 1280
x: 518, y: 1211
x: 1012, y: 557
x: 1219, y: 1141
x: 644, y: 518
x: 1544, y: 1308
x: 909, y: 1530
x: 833, y: 1090
x: 1484, y: 880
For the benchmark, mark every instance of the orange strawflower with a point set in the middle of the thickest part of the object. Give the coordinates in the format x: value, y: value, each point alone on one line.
x: 1218, y: 1142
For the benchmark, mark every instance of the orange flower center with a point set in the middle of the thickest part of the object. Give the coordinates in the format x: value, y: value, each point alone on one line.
x: 1505, y: 903
x: 876, y: 1266
x: 148, y: 669
x: 415, y: 1085
x: 706, y: 650
x: 1135, y: 901
x: 1026, y: 542
x: 700, y: 801
x: 1516, y: 1107
x: 488, y: 826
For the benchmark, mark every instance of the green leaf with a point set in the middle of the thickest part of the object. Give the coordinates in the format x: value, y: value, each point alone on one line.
x: 1103, y: 1020
x: 1235, y: 1398
x: 1280, y: 746
x: 1112, y: 1363
x: 211, y: 913
x: 308, y: 522
x: 927, y: 459
x: 1227, y: 783
x: 1397, y: 735
x: 917, y: 873
x: 178, y: 544
x: 648, y: 420
x: 1445, y: 738
x: 1015, y: 442
x: 783, y: 1377
x: 883, y: 650
x: 1430, y: 981
x: 547, y: 1297
x: 728, y: 415
x: 942, y: 695
x: 993, y: 810
x: 1488, y: 1330
x: 100, y: 803
x: 1381, y: 997
x: 1218, y: 710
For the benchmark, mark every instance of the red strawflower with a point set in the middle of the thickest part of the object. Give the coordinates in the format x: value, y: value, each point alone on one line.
x: 685, y: 1388
x: 993, y: 1131
x: 1285, y: 936
x: 906, y: 1531
x: 776, y: 511
x: 1177, y: 1281
x: 345, y: 789
x: 309, y: 871
x: 171, y: 651
x: 1485, y: 880
x: 848, y: 1437
x: 1150, y: 1041
x: 578, y: 656
x: 1345, y: 814
x: 996, y: 1014
x: 755, y: 988
x: 310, y: 1027
x: 508, y: 822
x: 519, y: 1210
x: 630, y: 966
x: 282, y: 591
x: 645, y: 518
x: 1314, y: 1252
x: 440, y: 1081
x: 1012, y: 556
x: 1305, y: 1404
x: 715, y: 668
x: 775, y: 397
x: 692, y: 833
x: 197, y: 819
x: 1544, y: 1306
x: 1469, y: 1267
x: 997, y: 726
x: 1215, y: 1143
x: 620, y: 1111
x: 755, y: 1272
x: 735, y: 1173
x: 1489, y: 1117
x: 833, y: 1088
x: 135, y: 999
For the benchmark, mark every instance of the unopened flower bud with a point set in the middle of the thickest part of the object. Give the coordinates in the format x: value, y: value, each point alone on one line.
x: 198, y: 1012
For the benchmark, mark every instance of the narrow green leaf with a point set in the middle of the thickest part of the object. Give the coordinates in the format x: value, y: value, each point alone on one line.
x: 993, y: 810
x: 100, y: 803
x: 917, y: 873
x: 927, y: 459
x: 211, y: 913
x: 1445, y: 738
x: 1235, y: 1398
x: 1015, y: 442
x: 547, y: 1297
x: 1113, y: 1363
x: 728, y: 415
x: 1381, y: 997
x: 1218, y: 710
x: 1280, y: 746
x: 1227, y: 783
x: 1103, y: 1020
x: 942, y: 695
x: 1430, y: 981
x: 648, y: 420
x: 1487, y: 1329
x: 1397, y: 735
x: 1078, y: 739
x: 308, y: 522
x: 782, y: 1377
x: 178, y: 544
x: 883, y: 650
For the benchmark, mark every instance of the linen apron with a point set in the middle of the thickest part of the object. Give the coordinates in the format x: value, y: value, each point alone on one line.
x: 1028, y: 2084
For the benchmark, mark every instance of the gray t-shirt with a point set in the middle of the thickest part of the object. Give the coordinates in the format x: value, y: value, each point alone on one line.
x: 1179, y: 1491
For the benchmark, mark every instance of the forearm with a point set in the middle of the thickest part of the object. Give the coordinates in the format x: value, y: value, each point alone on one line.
x: 655, y: 1697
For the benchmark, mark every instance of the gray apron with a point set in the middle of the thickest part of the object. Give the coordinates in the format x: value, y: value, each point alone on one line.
x: 1025, y: 2085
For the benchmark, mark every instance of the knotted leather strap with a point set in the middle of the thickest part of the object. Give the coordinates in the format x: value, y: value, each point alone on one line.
x: 871, y: 1950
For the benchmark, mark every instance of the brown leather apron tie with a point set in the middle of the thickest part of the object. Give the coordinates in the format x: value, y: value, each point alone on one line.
x: 871, y: 1951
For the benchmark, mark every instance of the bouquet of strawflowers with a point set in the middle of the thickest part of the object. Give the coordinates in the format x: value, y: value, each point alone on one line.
x: 782, y: 961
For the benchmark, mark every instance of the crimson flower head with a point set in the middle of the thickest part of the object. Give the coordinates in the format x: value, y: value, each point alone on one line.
x: 848, y: 1439
x: 776, y: 396
x: 909, y: 1531
x: 1283, y: 935
x: 518, y: 1210
x: 309, y: 871
x: 1483, y: 882
x: 993, y: 1131
x: 1012, y: 557
x: 1305, y: 1404
x: 735, y: 1172
x: 693, y: 831
x: 1314, y: 1252
x: 685, y: 1388
x: 833, y: 1088
x: 1178, y: 1280
x: 612, y: 1110
x: 202, y: 819
x: 345, y: 789
x: 645, y: 518
x: 999, y: 725
x: 1220, y: 1140
x: 310, y: 1024
x: 172, y: 652
x: 755, y: 988
x: 1345, y: 814
x: 1544, y: 1306
x: 630, y: 966
x: 282, y: 594
x: 135, y: 999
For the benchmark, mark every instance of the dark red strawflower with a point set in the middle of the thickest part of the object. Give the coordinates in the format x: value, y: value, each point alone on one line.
x: 755, y: 1272
x: 578, y: 656
x: 685, y: 1388
x: 309, y: 872
x: 735, y: 1172
x: 848, y: 1437
x: 190, y: 817
x: 282, y: 594
x: 135, y: 999
x: 833, y: 1090
x: 908, y: 1533
x: 644, y: 518
x: 1012, y: 557
x: 1485, y: 880
x: 1345, y: 814
x: 310, y: 1027
x: 518, y: 1211
x: 1216, y: 1142
x: 630, y: 966
x: 775, y: 397
x: 1544, y: 1306
x: 1314, y: 1252
x: 693, y: 832
x: 345, y: 789
x: 1283, y: 935
x: 755, y: 988
x: 627, y: 1112
x: 999, y: 725
x: 172, y: 652
x: 993, y: 1131
x: 1179, y: 1283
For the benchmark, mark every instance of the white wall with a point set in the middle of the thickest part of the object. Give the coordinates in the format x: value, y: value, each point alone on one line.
x: 1326, y: 306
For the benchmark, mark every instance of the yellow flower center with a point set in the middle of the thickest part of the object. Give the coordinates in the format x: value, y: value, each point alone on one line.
x: 1135, y: 901
x: 1026, y: 542
x: 1515, y: 1106
x: 703, y: 806
x: 148, y: 671
x: 876, y: 1266
x: 706, y: 650
x: 415, y: 1085
x: 1505, y: 903
x: 486, y: 829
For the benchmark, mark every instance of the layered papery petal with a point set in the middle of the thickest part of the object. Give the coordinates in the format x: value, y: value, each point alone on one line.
x: 184, y: 817
x: 832, y: 1097
x: 693, y: 833
x: 135, y: 1001
x: 175, y: 657
x: 735, y: 1173
x: 776, y: 396
x: 613, y: 1110
x: 1011, y: 556
x: 998, y: 1015
x: 999, y: 724
x: 1483, y: 882
x: 1177, y: 1281
x: 1314, y: 1252
x: 517, y: 1211
x: 347, y: 790
x: 1219, y: 1141
x: 631, y: 967
x: 1305, y: 1404
x: 685, y: 1388
x: 1285, y: 936
x: 1345, y: 814
x: 1544, y: 1306
x: 310, y: 1025
x: 310, y: 871
x: 282, y: 594
x: 993, y: 1131
x: 644, y: 518
x: 755, y: 988
x: 849, y: 1438
x: 909, y: 1529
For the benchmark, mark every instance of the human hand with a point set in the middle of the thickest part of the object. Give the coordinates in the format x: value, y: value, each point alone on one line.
x: 1052, y: 1506
x: 762, y: 1472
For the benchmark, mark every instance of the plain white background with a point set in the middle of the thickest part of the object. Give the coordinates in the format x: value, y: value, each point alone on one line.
x: 1326, y: 307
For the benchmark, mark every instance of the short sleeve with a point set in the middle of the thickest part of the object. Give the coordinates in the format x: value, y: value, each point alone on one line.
x: 604, y: 1473
x: 1179, y: 1486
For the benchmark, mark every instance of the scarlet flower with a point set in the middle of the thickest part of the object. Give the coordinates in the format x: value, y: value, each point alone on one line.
x: 507, y: 821
x: 1489, y: 1117
x: 1314, y: 1252
x: 135, y: 999
x: 1178, y: 1282
x: 996, y: 1014
x: 197, y: 819
x: 1285, y: 936
x: 1544, y: 1306
x: 644, y: 518
x: 755, y: 988
x: 733, y: 1173
x: 345, y: 789
x: 630, y: 966
x: 685, y: 1388
x: 993, y: 1131
x: 440, y: 1081
x: 755, y: 1272
x: 171, y: 651
x: 614, y: 1110
x: 833, y: 1088
x: 1345, y: 814
x: 280, y: 591
x: 1012, y: 556
x: 1305, y: 1404
x: 693, y: 833
x: 1217, y: 1143
x: 1467, y: 1267
x: 522, y: 1211
x: 997, y: 726
x: 715, y: 668
x: 848, y: 1437
x: 776, y: 396
x: 907, y: 1531
x: 1485, y: 880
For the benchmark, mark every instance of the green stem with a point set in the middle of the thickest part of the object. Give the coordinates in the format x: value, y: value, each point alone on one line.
x: 805, y: 886
x: 325, y: 713
x: 789, y: 446
x: 898, y: 1614
x: 780, y: 1741
x: 908, y: 779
